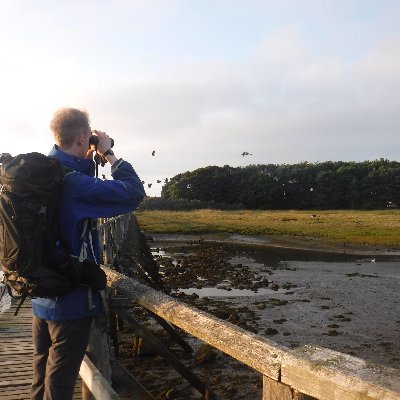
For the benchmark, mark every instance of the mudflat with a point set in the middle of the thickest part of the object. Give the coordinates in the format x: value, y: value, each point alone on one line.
x: 347, y: 300
x: 293, y: 292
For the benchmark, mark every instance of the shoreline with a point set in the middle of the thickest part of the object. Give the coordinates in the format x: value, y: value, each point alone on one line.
x: 277, y: 241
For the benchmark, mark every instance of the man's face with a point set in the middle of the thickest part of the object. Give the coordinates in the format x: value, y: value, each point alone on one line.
x: 84, y: 143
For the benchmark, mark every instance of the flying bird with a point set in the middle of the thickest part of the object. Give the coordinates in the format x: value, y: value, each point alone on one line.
x: 158, y: 181
x: 153, y: 153
x: 149, y: 185
x: 245, y: 153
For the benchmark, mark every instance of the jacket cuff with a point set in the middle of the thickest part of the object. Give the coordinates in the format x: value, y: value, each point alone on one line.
x: 116, y: 165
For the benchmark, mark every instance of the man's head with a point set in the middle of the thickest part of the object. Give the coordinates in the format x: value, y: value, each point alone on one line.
x: 71, y: 130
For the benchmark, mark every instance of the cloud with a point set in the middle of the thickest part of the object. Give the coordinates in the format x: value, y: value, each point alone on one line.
x: 319, y: 108
x: 292, y: 87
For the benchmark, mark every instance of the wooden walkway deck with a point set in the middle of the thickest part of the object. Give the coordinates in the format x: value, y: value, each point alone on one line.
x: 16, y: 351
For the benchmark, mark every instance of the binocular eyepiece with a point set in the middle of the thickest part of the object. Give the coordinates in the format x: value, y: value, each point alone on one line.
x: 94, y: 140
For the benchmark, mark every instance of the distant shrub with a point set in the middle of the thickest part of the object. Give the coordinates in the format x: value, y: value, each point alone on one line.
x: 161, y: 203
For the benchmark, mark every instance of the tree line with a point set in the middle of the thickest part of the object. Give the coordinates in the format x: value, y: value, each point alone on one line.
x: 322, y: 185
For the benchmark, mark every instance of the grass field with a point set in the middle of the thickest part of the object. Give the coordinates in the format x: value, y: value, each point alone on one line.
x: 337, y: 226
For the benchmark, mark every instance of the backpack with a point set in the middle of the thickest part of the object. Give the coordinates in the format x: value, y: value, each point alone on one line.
x: 32, y: 256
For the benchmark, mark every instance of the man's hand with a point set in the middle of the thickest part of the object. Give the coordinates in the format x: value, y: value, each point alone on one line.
x: 89, y: 154
x: 103, y: 145
x: 104, y: 141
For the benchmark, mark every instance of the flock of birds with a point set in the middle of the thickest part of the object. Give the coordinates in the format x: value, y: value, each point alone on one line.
x: 153, y: 153
x: 149, y: 185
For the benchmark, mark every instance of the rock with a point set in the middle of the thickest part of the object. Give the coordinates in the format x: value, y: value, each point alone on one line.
x: 333, y: 326
x: 205, y: 354
x: 278, y: 302
x: 271, y: 331
x: 332, y: 332
x: 274, y: 286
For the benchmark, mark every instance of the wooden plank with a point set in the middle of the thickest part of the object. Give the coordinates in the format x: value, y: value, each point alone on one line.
x: 329, y: 375
x: 16, y: 334
x: 14, y: 342
x: 9, y: 375
x: 95, y: 382
x: 23, y: 394
x: 16, y: 327
x: 15, y: 352
x: 7, y: 362
x: 19, y: 357
x: 27, y: 370
x: 273, y: 390
x: 16, y: 345
x: 16, y: 382
x: 20, y: 390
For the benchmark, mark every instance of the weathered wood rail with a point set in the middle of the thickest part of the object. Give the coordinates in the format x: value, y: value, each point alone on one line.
x: 308, y: 372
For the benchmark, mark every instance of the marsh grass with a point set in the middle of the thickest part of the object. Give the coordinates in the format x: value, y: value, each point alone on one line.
x: 380, y: 227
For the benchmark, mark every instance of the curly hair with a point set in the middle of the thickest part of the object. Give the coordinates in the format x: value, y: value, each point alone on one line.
x: 67, y: 124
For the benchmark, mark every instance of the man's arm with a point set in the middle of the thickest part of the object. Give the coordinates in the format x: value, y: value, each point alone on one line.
x: 94, y: 198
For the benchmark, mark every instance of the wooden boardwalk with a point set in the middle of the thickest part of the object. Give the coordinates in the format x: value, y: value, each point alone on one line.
x: 16, y: 351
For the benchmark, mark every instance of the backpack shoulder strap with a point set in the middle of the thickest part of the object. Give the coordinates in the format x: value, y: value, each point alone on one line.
x: 87, y: 233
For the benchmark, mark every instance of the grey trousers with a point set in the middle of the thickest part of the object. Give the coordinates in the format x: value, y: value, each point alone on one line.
x: 59, y: 348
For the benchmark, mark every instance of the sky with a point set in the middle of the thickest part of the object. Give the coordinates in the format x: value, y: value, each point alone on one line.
x: 201, y: 82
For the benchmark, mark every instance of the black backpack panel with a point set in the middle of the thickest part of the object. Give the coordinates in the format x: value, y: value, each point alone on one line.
x: 31, y: 255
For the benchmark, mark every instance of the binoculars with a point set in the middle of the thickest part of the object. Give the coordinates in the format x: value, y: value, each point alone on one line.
x: 98, y: 159
x: 94, y: 140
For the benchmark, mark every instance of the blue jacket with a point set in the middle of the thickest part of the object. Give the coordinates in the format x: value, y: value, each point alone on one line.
x: 84, y: 196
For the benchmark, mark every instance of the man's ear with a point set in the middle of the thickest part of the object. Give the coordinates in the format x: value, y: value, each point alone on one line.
x: 81, y: 138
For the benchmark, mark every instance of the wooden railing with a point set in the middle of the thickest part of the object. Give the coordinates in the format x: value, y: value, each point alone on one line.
x: 308, y: 372
x: 95, y: 386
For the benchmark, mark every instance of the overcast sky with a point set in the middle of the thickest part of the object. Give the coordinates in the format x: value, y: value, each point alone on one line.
x: 201, y: 82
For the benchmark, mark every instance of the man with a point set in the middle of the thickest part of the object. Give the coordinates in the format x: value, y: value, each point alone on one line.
x: 61, y: 325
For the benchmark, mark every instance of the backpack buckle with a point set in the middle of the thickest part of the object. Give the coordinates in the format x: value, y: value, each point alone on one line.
x: 43, y: 210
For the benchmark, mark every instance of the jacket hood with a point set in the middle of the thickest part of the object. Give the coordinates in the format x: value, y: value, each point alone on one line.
x: 78, y: 164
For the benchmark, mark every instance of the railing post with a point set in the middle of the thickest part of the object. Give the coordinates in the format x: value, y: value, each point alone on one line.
x: 100, y: 349
x: 273, y: 390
